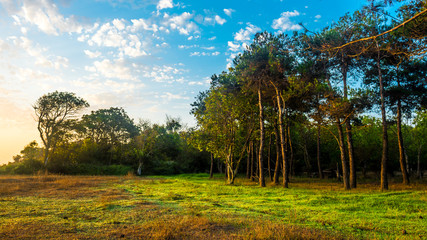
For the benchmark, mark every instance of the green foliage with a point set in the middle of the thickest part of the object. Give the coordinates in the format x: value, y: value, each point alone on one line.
x: 54, y: 112
x: 109, y: 126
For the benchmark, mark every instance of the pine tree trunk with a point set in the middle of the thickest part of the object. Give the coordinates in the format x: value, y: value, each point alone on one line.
x: 139, y: 170
x: 269, y: 159
x: 252, y: 162
x: 345, y: 176
x: 285, y: 163
x: 400, y: 141
x: 277, y: 166
x: 419, y: 161
x: 256, y: 162
x: 291, y: 167
x: 248, y: 162
x: 384, y: 158
x: 261, y: 140
x: 318, y: 152
x: 351, y: 160
x: 212, y: 164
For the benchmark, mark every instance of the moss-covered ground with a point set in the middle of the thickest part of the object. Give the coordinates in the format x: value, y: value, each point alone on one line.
x: 196, y: 207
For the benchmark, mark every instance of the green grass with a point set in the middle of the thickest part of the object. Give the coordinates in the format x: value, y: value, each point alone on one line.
x: 364, y: 213
x: 193, y: 207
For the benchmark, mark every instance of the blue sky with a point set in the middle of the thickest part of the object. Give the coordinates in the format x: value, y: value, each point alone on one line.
x: 150, y: 57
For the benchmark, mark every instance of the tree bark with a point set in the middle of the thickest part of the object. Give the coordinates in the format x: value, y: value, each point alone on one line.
x: 419, y: 161
x: 269, y: 159
x: 261, y: 140
x: 400, y: 141
x: 252, y: 162
x: 46, y: 156
x: 139, y: 170
x: 277, y: 166
x: 285, y: 163
x: 351, y: 160
x: 248, y: 162
x: 384, y: 158
x: 318, y: 152
x: 344, y: 164
x: 212, y: 164
x: 291, y: 167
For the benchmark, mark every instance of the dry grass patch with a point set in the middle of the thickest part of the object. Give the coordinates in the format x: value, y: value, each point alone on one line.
x: 54, y: 186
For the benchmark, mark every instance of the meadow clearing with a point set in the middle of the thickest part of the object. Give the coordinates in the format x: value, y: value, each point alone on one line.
x: 195, y: 207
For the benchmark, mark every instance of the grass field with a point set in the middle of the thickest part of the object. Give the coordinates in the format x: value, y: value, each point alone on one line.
x: 194, y: 207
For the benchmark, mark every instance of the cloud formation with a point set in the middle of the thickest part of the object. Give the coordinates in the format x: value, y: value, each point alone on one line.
x: 42, y: 13
x: 284, y: 23
x: 164, y: 4
x: 228, y: 11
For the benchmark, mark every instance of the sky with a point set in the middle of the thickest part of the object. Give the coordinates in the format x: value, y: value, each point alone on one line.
x: 150, y: 57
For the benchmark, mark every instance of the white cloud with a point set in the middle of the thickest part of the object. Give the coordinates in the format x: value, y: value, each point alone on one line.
x: 119, y: 24
x: 107, y: 86
x: 181, y: 23
x: 229, y: 11
x: 44, y: 14
x: 233, y: 47
x: 116, y: 69
x: 198, y: 54
x: 246, y: 34
x: 170, y: 96
x: 164, y: 4
x: 115, y: 35
x: 187, y: 46
x: 212, y: 38
x: 164, y: 74
x: 284, y: 23
x: 41, y: 57
x: 192, y: 83
x: 208, y: 48
x: 143, y: 24
x: 318, y: 16
x: 91, y: 54
x: 220, y: 20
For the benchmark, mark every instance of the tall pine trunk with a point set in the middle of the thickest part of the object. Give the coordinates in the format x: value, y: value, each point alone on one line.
x: 277, y: 166
x: 291, y: 167
x: 318, y: 152
x: 344, y: 163
x: 269, y: 159
x: 419, y: 161
x: 400, y: 141
x: 351, y: 160
x: 253, y: 161
x: 261, y: 140
x: 248, y: 162
x: 212, y: 164
x: 285, y: 163
x: 384, y: 157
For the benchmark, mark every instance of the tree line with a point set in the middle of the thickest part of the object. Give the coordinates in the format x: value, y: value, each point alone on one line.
x: 368, y: 65
x: 106, y: 141
x: 346, y: 102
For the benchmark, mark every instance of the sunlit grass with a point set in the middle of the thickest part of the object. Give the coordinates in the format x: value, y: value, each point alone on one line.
x: 194, y: 207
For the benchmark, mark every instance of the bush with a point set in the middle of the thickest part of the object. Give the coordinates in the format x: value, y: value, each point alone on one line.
x: 29, y: 166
